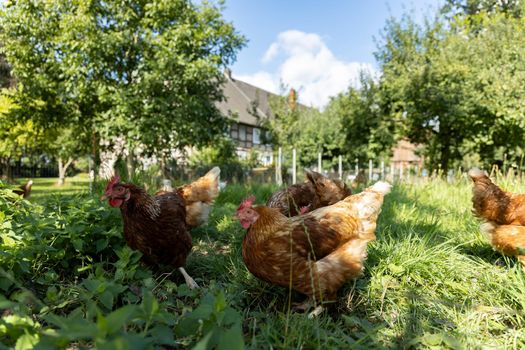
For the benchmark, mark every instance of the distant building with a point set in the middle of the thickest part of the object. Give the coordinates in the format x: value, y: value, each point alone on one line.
x: 405, y: 154
x: 248, y: 105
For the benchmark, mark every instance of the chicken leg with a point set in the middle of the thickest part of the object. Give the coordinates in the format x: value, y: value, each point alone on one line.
x: 305, y: 306
x: 190, y: 282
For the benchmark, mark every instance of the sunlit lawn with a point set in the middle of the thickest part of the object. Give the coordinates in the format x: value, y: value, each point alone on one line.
x: 431, y: 279
x: 47, y: 186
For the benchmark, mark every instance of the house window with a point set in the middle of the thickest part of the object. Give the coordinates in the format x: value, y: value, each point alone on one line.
x: 242, y: 132
x: 256, y: 136
x: 234, y: 131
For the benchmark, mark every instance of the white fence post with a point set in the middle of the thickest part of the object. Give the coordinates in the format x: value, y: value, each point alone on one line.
x: 278, y: 172
x: 370, y: 165
x: 91, y: 174
x: 392, y: 171
x: 340, y: 167
x: 294, y: 167
x: 382, y: 170
x: 401, y: 172
x: 356, y: 167
x: 319, y: 163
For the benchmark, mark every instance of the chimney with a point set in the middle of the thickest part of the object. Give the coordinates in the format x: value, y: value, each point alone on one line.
x: 228, y: 73
x: 292, y: 99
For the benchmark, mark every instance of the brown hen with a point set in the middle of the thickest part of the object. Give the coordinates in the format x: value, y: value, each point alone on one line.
x: 159, y: 225
x: 504, y: 213
x: 25, y: 189
x: 318, y: 191
x: 316, y: 253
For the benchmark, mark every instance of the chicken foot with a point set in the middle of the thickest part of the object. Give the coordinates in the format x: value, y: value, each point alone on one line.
x: 302, y: 307
x: 316, y: 312
x: 305, y: 306
x: 190, y: 282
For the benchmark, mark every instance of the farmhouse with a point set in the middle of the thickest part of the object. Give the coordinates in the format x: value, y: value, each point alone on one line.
x: 405, y: 154
x: 248, y: 106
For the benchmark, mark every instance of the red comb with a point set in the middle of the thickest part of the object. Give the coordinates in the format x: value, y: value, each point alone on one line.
x: 304, y: 210
x: 247, y: 202
x: 115, y: 179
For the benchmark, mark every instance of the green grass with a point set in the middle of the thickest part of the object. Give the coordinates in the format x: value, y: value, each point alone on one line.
x: 431, y: 279
x: 45, y: 187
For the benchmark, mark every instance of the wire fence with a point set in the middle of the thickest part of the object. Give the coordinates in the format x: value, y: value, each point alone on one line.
x: 277, y: 172
x: 21, y: 170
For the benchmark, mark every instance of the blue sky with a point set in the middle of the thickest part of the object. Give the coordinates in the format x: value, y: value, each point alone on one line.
x: 317, y: 47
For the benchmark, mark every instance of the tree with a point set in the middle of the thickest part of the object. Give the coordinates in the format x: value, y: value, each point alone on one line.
x: 458, y: 89
x: 6, y: 79
x: 469, y: 8
x: 16, y: 137
x: 66, y: 145
x: 320, y: 132
x: 282, y: 128
x: 368, y: 134
x: 148, y: 71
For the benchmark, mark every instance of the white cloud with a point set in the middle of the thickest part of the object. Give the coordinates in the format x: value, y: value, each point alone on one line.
x: 308, y: 65
x: 263, y: 80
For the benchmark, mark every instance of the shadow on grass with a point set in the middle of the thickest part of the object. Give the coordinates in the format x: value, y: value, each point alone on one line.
x: 422, y: 327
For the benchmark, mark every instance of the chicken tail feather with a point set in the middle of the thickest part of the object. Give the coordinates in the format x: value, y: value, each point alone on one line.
x: 381, y: 187
x: 204, y: 189
x: 368, y: 205
x: 199, y: 195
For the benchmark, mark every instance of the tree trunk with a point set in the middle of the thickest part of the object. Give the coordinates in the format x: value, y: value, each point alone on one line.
x: 7, y: 171
x: 445, y: 157
x: 62, y: 169
x: 95, y: 155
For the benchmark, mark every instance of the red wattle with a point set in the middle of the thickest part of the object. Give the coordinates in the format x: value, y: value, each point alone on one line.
x: 116, y: 202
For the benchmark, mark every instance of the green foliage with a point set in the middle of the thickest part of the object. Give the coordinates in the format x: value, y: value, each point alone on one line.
x: 431, y: 281
x: 221, y: 152
x: 309, y: 130
x: 455, y: 88
x: 283, y: 128
x: 16, y: 137
x: 367, y: 134
x: 319, y: 132
x: 148, y: 71
x: 473, y: 7
x: 66, y: 277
